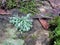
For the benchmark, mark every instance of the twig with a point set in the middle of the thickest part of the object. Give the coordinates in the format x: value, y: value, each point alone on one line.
x: 50, y: 4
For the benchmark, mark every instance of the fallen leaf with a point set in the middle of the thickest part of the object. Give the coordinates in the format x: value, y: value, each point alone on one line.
x: 4, y: 12
x: 44, y: 23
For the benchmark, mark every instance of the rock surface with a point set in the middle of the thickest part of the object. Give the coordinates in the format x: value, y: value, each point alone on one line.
x: 41, y: 35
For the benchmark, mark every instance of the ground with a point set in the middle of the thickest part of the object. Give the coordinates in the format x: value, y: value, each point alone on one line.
x: 37, y: 36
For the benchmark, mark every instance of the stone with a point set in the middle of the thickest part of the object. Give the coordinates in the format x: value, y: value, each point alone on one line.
x: 56, y: 5
x: 43, y: 38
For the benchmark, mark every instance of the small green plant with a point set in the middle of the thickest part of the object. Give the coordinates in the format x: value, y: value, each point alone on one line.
x: 10, y: 4
x: 13, y: 42
x: 33, y: 36
x: 51, y: 35
x: 24, y: 6
x: 54, y: 21
x: 22, y: 24
x: 28, y: 7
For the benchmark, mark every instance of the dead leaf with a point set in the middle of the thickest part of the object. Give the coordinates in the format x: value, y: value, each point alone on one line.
x: 44, y: 23
x: 4, y: 12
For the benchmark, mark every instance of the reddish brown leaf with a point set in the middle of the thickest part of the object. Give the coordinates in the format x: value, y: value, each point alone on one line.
x: 4, y: 12
x: 44, y: 23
